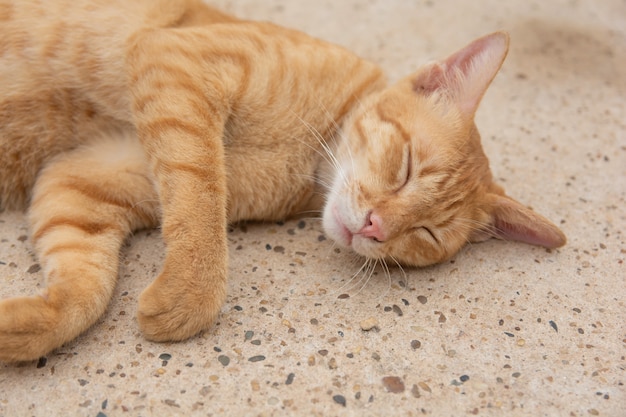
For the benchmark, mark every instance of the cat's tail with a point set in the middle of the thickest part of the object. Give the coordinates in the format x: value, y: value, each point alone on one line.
x: 84, y: 206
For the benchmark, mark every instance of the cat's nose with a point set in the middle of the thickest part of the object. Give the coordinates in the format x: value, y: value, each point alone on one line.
x: 373, y: 227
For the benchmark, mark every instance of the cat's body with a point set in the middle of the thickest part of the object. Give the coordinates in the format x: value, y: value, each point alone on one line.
x: 74, y: 88
x: 118, y: 115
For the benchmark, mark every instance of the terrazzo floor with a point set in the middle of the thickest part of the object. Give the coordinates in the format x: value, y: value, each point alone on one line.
x: 503, y: 329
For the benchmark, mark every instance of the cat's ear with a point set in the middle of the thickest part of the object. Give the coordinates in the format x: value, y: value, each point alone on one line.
x: 465, y: 75
x: 510, y: 220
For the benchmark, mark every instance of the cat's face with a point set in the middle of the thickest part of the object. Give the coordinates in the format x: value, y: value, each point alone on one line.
x: 409, y: 178
x: 412, y: 184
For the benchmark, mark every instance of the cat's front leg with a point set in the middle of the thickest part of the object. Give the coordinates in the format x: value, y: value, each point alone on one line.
x: 190, y: 291
x: 191, y: 179
x: 181, y: 126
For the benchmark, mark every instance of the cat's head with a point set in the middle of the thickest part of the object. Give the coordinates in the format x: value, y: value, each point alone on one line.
x: 412, y: 183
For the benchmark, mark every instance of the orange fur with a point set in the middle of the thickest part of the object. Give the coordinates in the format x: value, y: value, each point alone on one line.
x: 117, y: 115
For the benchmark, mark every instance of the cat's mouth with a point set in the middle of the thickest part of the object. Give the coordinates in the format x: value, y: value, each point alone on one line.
x: 345, y: 233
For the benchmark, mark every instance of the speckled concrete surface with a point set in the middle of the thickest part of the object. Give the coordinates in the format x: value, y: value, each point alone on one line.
x: 502, y: 329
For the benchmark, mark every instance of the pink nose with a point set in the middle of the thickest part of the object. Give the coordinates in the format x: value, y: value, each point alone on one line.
x: 373, y: 227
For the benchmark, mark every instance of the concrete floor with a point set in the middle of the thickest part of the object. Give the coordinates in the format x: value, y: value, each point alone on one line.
x: 502, y: 329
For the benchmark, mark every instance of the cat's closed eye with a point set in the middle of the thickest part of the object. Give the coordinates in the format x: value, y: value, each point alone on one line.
x: 404, y: 173
x: 427, y: 233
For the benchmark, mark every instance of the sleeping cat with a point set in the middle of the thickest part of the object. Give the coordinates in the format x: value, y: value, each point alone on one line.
x: 119, y: 115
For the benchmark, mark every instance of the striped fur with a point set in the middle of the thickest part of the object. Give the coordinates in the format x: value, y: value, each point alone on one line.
x: 117, y: 116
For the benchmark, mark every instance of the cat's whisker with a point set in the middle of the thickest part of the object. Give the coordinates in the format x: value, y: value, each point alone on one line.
x: 337, y: 134
x: 314, y: 179
x: 324, y: 155
x: 324, y: 181
x: 374, y: 264
x: 348, y: 285
x: 330, y: 157
x: 328, y: 177
x: 388, y: 275
x: 317, y: 136
x: 473, y: 225
x: 354, y: 279
x: 363, y: 273
x: 340, y: 132
x: 468, y: 226
x: 402, y: 271
x: 329, y: 115
x: 147, y: 201
x: 333, y: 250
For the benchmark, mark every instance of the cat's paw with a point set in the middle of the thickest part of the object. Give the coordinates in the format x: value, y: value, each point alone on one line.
x: 172, y: 311
x: 27, y: 329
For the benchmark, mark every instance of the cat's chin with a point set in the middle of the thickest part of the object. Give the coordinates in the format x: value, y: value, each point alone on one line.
x: 335, y: 229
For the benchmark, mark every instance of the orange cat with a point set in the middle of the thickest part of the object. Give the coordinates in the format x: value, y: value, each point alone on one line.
x: 120, y: 115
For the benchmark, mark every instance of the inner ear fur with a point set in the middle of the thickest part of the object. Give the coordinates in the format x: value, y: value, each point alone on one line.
x: 510, y: 220
x: 465, y: 75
